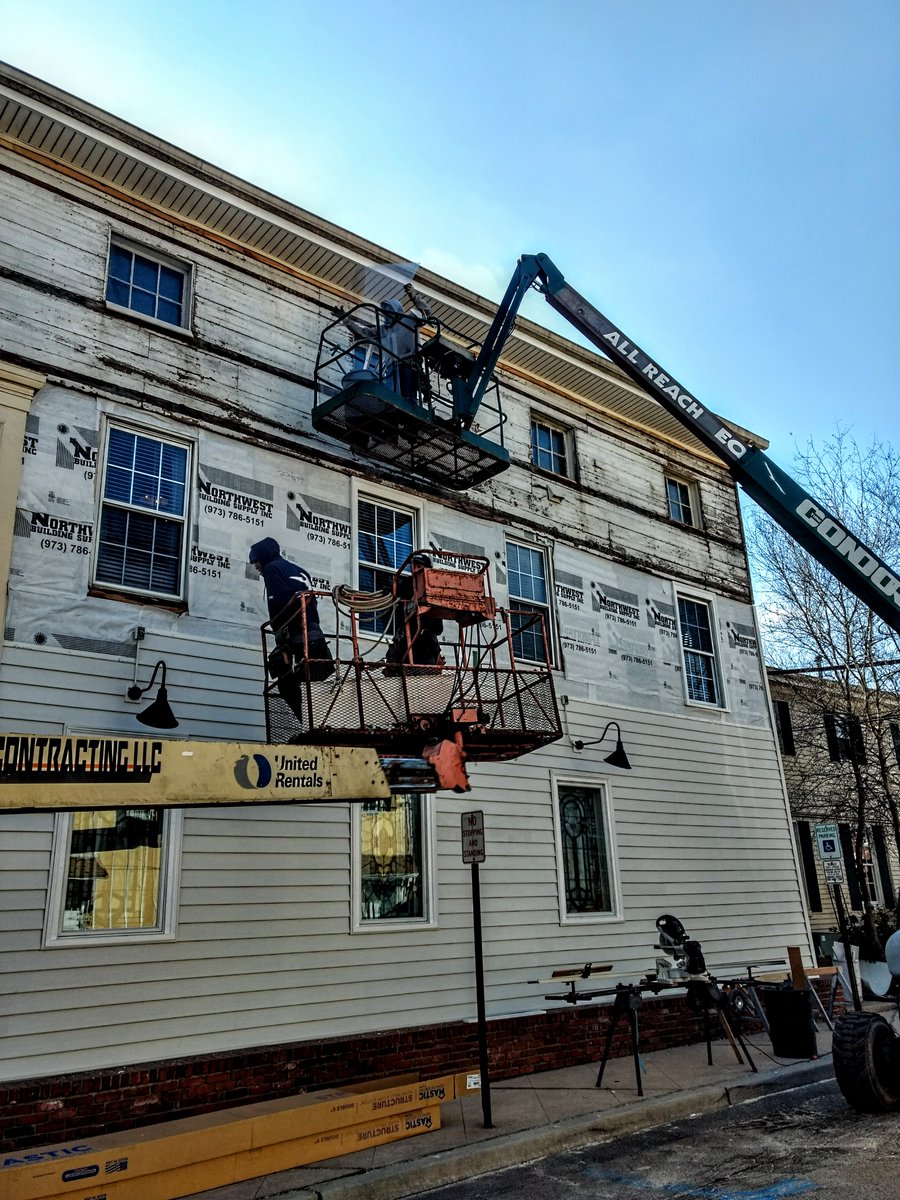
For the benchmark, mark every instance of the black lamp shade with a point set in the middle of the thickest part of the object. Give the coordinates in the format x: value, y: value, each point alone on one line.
x: 618, y: 758
x: 159, y: 715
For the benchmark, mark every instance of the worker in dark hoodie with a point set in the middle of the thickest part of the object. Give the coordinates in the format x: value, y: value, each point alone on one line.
x: 301, y: 651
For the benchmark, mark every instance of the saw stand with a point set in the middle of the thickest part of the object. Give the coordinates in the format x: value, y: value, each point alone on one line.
x: 702, y: 993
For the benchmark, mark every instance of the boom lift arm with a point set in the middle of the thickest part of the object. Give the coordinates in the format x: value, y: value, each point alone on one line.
x: 800, y: 514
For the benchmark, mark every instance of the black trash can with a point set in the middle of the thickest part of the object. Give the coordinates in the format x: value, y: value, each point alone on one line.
x: 790, y: 1017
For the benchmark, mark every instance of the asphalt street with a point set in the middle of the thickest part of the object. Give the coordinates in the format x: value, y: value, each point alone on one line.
x: 791, y: 1144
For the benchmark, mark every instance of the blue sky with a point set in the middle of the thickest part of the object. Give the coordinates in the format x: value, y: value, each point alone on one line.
x: 720, y: 178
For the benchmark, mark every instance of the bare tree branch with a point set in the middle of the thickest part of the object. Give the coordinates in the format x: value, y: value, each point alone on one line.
x: 811, y: 620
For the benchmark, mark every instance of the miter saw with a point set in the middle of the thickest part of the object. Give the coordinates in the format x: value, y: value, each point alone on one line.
x: 685, y: 960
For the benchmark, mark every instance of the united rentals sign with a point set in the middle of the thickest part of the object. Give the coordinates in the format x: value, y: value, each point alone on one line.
x: 52, y: 773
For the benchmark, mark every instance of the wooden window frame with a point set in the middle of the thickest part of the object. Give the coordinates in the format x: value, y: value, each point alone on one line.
x: 165, y: 929
x: 713, y: 655
x: 377, y: 626
x: 386, y: 924
x: 182, y: 519
x: 527, y: 603
x: 599, y: 784
x: 162, y: 261
x: 687, y: 500
x: 784, y: 728
x: 844, y: 735
x: 557, y: 461
x: 809, y: 865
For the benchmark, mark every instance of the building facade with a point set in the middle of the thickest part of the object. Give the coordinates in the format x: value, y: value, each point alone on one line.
x: 160, y: 323
x: 840, y: 746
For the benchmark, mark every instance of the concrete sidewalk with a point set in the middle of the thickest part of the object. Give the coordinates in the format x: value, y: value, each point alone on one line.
x: 536, y: 1115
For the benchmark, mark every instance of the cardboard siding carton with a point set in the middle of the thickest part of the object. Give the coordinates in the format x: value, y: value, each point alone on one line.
x: 62, y: 1169
x: 218, y: 1172
x: 467, y: 1083
x: 391, y: 1128
x: 403, y: 1097
x: 233, y: 1144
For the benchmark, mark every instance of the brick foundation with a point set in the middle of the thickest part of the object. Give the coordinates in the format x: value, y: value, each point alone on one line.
x: 40, y: 1111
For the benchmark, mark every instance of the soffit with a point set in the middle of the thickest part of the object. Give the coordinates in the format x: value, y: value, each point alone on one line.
x: 120, y: 157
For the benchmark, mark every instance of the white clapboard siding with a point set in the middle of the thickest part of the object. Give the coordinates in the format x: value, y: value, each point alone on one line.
x: 273, y: 968
x: 264, y: 949
x: 32, y: 233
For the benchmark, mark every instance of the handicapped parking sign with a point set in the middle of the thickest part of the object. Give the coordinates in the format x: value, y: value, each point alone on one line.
x: 828, y: 841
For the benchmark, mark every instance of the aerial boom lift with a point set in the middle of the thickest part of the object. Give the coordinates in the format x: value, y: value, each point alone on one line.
x: 807, y: 520
x: 440, y: 427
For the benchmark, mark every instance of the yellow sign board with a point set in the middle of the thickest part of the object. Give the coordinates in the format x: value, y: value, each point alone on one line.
x: 54, y: 773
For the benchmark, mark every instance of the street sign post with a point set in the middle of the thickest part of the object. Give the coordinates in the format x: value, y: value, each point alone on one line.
x: 828, y: 841
x: 473, y: 837
x: 473, y: 852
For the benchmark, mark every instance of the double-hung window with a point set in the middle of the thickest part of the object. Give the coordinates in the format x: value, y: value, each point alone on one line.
x: 699, y: 651
x: 144, y: 505
x: 585, y: 850
x: 148, y: 283
x: 682, y: 502
x: 549, y: 448
x: 394, y: 871
x: 114, y: 876
x: 876, y: 880
x: 528, y: 599
x: 385, y: 538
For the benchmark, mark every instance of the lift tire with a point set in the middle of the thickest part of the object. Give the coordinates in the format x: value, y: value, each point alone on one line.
x: 866, y: 1054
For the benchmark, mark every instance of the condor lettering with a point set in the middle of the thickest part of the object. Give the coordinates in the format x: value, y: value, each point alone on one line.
x: 864, y: 562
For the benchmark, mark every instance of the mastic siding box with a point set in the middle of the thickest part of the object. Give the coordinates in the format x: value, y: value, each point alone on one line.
x: 466, y: 1083
x: 407, y: 1095
x: 64, y: 1169
x: 391, y: 1128
x: 232, y: 1168
x: 229, y: 1145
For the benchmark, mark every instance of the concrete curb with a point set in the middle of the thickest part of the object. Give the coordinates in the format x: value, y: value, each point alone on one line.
x: 418, y: 1175
x: 782, y: 1080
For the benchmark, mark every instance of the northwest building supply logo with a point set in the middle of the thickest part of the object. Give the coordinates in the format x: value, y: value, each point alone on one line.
x: 320, y: 519
x: 742, y: 638
x: 661, y: 616
x: 456, y: 555
x: 77, y: 450
x: 209, y: 558
x: 569, y: 590
x: 31, y: 435
x: 236, y: 497
x: 53, y: 529
x: 616, y: 604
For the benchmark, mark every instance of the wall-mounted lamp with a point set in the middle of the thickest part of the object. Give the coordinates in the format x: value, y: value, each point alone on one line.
x: 618, y: 758
x: 158, y: 714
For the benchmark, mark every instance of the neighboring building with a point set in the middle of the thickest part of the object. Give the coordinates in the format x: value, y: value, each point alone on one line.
x: 836, y: 746
x: 160, y: 321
